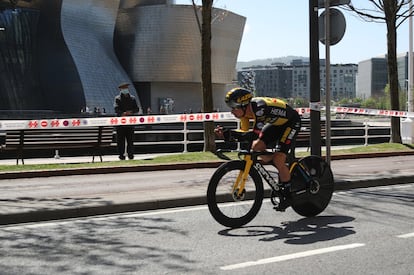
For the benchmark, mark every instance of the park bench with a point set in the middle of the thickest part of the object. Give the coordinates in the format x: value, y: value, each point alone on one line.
x: 94, y: 138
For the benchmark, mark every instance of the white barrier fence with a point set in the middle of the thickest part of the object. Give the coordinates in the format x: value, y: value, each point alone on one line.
x: 337, y: 133
x: 112, y: 121
x: 159, y: 119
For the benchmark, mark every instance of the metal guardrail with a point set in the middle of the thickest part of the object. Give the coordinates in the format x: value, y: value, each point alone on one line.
x: 190, y: 133
x: 366, y: 136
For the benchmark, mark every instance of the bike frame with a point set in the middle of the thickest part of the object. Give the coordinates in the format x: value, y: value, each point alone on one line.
x: 264, y: 173
x: 243, y: 175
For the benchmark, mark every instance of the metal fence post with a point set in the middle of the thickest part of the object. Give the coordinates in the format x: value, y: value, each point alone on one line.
x: 185, y: 141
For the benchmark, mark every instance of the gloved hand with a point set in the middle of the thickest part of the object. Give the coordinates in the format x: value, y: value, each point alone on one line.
x: 222, y: 133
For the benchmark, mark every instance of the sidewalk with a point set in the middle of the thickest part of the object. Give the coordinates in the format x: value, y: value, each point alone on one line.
x: 76, y: 159
x: 37, y: 199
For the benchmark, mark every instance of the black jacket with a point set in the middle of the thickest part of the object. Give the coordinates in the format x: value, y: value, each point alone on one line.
x: 125, y: 103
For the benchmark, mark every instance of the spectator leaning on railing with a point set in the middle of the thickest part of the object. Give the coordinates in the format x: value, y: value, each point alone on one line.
x: 125, y: 105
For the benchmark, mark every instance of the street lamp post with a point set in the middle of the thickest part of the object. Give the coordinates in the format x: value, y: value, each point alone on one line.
x: 410, y: 60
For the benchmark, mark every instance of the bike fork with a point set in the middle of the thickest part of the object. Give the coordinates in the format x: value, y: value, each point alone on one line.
x: 242, y: 177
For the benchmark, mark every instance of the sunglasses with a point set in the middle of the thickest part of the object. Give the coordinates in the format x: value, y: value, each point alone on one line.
x: 236, y: 108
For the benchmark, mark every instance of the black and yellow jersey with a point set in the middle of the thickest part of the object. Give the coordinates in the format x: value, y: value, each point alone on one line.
x: 268, y: 110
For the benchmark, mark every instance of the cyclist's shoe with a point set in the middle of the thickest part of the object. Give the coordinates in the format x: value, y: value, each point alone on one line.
x: 284, y: 199
x: 283, y: 204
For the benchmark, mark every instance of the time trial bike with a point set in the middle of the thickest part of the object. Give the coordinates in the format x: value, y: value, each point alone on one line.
x: 235, y: 192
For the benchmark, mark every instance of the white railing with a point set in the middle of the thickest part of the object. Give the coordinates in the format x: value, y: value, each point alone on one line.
x: 366, y: 136
x: 363, y: 132
x: 185, y: 131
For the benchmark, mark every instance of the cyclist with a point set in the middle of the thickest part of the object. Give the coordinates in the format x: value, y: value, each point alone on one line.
x: 275, y: 123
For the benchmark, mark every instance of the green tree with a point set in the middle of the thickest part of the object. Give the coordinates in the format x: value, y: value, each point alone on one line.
x: 299, y: 102
x: 393, y: 13
x: 369, y: 103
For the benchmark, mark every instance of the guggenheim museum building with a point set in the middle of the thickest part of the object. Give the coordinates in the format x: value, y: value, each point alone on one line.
x: 62, y: 56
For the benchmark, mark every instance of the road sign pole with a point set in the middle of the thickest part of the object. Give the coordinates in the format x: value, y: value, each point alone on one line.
x: 315, y: 114
x: 327, y: 83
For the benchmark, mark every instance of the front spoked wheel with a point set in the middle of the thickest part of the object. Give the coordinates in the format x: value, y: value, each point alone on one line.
x: 229, y: 207
x: 312, y: 186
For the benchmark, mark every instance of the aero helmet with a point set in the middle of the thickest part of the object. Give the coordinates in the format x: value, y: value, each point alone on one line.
x: 238, y: 98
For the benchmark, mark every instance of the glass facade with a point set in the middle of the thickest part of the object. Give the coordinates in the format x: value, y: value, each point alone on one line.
x: 19, y: 83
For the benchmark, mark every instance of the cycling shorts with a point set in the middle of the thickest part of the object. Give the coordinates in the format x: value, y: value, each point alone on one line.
x: 281, y: 135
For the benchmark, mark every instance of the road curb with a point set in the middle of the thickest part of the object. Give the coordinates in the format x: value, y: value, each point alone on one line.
x: 365, y: 183
x: 90, y: 211
x: 108, y: 170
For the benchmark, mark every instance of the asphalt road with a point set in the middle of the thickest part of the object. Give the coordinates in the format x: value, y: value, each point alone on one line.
x: 57, y: 197
x: 363, y: 231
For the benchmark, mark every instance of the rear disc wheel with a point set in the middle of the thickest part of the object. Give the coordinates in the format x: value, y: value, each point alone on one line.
x: 311, y: 198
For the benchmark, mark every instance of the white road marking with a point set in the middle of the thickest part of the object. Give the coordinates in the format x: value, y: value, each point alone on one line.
x: 406, y: 236
x: 292, y: 256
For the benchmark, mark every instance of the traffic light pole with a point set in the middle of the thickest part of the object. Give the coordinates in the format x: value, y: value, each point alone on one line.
x: 315, y: 97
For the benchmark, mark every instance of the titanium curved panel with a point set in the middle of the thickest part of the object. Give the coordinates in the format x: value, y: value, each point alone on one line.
x: 88, y: 27
x: 162, y: 44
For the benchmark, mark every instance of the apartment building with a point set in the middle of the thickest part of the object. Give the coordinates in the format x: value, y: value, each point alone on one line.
x: 293, y: 80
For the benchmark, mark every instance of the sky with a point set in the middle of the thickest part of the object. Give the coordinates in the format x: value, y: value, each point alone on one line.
x: 277, y: 28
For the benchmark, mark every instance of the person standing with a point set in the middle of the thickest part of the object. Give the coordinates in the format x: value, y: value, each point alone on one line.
x: 125, y: 105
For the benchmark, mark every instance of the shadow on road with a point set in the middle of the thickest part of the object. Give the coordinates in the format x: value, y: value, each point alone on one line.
x: 303, y: 231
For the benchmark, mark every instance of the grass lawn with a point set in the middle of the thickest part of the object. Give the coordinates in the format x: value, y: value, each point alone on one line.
x: 200, y: 157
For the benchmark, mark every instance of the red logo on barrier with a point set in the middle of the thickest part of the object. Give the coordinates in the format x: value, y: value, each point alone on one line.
x: 33, y: 124
x: 215, y: 116
x: 200, y: 117
x: 123, y: 120
x: 151, y: 119
x: 43, y: 123
x: 191, y: 117
x: 65, y: 123
x: 133, y: 120
x: 183, y: 117
x: 114, y: 121
x: 54, y: 123
x: 76, y: 122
